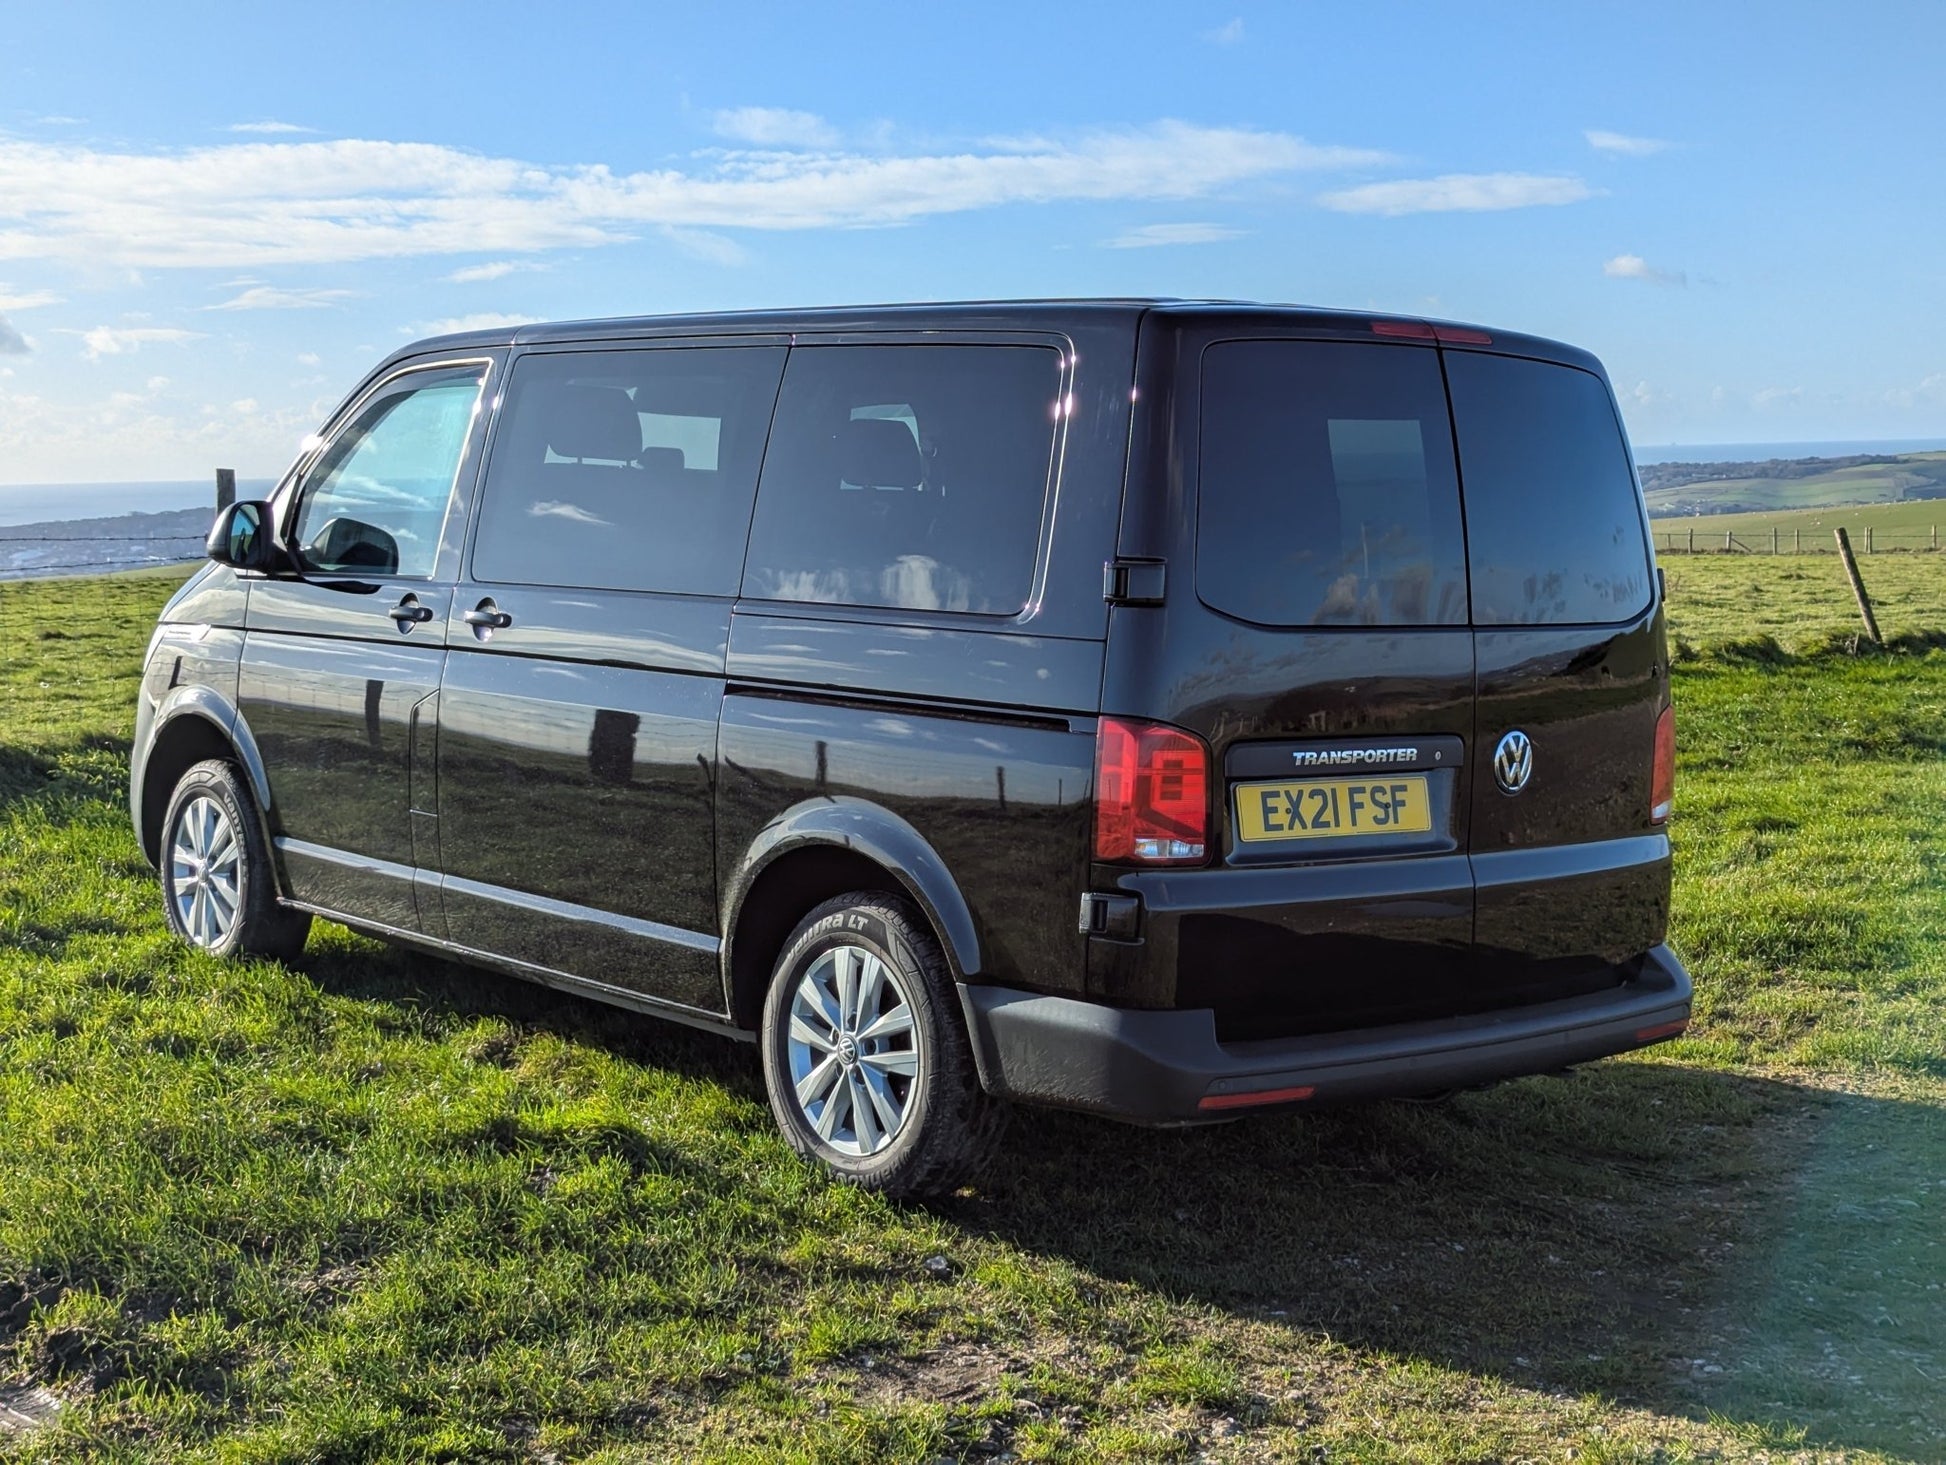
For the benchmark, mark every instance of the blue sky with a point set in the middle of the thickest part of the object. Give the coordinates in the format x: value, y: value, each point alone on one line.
x: 214, y: 219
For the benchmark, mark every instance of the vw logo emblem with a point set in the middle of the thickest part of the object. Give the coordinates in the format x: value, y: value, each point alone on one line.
x: 1513, y: 762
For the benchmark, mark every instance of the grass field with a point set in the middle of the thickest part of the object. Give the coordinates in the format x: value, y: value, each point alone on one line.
x: 375, y: 1207
x: 1904, y: 526
x: 1732, y: 602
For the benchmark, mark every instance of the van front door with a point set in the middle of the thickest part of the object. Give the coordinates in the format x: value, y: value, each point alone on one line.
x: 342, y: 656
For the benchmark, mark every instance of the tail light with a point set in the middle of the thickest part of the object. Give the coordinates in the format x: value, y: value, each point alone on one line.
x: 1662, y: 785
x: 1151, y: 795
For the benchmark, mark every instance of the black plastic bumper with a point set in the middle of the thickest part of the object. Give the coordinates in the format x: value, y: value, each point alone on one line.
x: 1168, y: 1068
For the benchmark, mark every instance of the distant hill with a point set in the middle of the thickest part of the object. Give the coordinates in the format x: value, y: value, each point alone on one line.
x: 88, y: 546
x: 1792, y: 483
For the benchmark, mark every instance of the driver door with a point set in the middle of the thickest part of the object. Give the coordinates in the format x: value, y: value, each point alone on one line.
x: 342, y: 657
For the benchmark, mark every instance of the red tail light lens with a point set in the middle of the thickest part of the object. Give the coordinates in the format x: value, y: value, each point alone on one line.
x: 1151, y: 795
x: 1662, y: 786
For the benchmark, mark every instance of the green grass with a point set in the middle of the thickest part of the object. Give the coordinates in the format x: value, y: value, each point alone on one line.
x: 1905, y: 525
x: 375, y: 1207
x: 1730, y: 603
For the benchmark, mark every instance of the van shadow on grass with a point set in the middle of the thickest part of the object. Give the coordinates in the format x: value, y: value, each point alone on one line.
x: 1700, y: 1243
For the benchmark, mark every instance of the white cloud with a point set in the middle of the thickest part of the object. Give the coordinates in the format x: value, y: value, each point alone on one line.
x: 717, y: 249
x: 1769, y: 397
x: 494, y: 270
x: 1458, y: 193
x: 1621, y: 142
x: 27, y: 302
x: 267, y: 297
x: 253, y: 204
x: 485, y: 320
x: 12, y: 343
x: 1931, y: 391
x: 774, y: 127
x: 1149, y: 236
x: 1634, y: 267
x: 1227, y: 34
x: 269, y: 127
x: 109, y: 341
x: 308, y: 358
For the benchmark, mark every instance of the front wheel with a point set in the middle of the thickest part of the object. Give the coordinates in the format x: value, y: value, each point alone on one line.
x: 218, y: 889
x: 865, y: 1056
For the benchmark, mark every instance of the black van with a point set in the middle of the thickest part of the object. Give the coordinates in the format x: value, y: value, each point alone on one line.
x: 1159, y: 709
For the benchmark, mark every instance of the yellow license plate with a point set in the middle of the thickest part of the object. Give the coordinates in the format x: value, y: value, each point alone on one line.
x: 1333, y: 808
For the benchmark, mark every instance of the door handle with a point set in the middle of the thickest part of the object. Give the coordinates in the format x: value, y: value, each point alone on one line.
x: 488, y: 616
x: 410, y: 613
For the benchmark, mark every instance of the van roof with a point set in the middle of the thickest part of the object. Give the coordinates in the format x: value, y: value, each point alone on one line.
x: 1014, y: 315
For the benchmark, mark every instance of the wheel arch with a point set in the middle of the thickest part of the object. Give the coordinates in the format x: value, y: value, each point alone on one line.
x: 194, y: 723
x: 818, y: 849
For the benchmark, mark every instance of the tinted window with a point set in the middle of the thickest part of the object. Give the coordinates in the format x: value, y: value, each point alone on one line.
x: 375, y: 502
x: 908, y: 476
x: 1553, y: 521
x: 1327, y: 488
x: 627, y: 470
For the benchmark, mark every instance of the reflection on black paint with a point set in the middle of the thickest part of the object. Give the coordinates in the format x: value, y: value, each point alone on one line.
x: 374, y: 699
x: 611, y: 746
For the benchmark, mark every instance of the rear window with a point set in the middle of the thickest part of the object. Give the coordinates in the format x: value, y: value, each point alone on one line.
x: 1328, y: 494
x: 1553, y: 519
x: 906, y: 476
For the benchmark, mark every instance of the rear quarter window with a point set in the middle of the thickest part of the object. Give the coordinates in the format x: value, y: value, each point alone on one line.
x: 1553, y: 517
x: 906, y: 477
x: 1327, y: 488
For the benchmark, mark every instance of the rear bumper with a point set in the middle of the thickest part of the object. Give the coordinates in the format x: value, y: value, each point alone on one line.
x: 1169, y: 1068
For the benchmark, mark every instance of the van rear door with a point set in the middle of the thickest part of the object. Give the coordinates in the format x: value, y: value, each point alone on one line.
x: 1571, y: 870
x: 1298, y: 476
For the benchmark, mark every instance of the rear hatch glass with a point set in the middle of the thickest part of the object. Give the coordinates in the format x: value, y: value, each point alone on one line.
x: 1553, y: 522
x: 1329, y: 495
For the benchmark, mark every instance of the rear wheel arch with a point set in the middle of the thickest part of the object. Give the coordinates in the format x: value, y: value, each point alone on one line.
x: 823, y: 850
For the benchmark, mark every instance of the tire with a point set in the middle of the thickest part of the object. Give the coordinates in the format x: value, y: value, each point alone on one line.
x: 219, y: 891
x: 900, y: 1058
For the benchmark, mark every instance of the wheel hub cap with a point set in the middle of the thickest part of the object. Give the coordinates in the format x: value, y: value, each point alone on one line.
x: 853, y: 1050
x: 204, y: 872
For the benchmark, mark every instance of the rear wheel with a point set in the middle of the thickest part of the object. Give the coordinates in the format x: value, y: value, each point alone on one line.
x: 218, y: 890
x: 866, y: 1059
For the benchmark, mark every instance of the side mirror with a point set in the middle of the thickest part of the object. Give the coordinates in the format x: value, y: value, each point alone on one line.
x: 240, y: 537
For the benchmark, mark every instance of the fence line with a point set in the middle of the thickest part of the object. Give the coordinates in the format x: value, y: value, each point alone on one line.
x: 1776, y: 540
x: 6, y: 538
x: 27, y: 572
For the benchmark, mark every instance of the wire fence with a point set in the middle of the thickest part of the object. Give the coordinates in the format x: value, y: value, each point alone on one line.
x: 128, y: 557
x: 1776, y: 540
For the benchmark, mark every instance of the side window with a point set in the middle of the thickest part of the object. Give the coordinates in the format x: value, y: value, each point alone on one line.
x: 907, y: 476
x: 627, y: 470
x: 1327, y: 491
x: 1553, y: 519
x: 375, y: 503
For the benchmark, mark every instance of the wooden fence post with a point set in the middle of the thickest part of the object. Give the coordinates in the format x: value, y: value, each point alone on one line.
x: 1800, y: 541
x: 225, y: 488
x: 1868, y: 539
x: 1692, y: 539
x: 1773, y: 539
x: 1858, y: 585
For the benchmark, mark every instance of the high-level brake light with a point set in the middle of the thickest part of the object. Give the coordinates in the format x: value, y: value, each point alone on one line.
x: 1420, y: 330
x: 1151, y: 794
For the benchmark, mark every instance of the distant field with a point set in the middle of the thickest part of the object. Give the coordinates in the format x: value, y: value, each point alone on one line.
x: 1907, y: 525
x: 1849, y: 483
